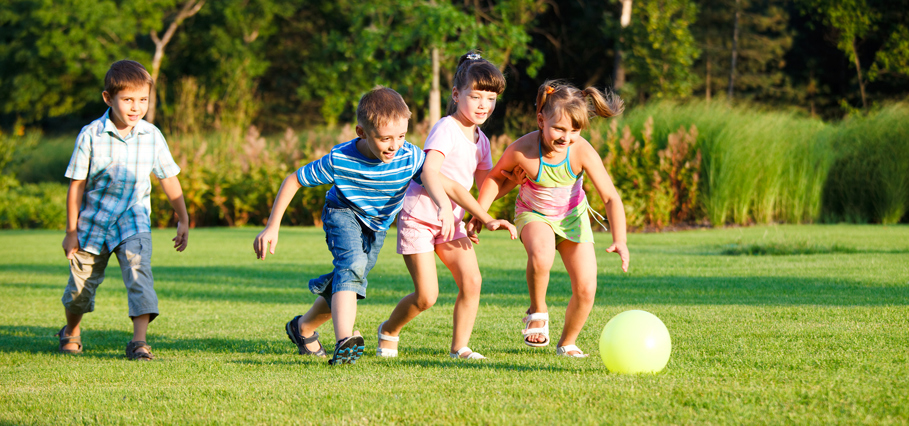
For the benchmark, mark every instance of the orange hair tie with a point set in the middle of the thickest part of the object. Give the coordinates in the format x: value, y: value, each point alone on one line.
x: 549, y: 90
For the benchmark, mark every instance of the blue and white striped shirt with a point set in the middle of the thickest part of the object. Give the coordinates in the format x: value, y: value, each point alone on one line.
x: 372, y: 189
x: 116, y: 203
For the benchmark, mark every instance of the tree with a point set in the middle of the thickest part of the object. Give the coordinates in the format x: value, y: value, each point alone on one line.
x: 54, y: 54
x: 662, y: 47
x: 763, y: 39
x: 189, y: 8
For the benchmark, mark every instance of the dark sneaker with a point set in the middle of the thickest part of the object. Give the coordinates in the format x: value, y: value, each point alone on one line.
x: 348, y: 350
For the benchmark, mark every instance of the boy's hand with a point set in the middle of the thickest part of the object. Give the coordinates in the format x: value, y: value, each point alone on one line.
x: 517, y: 175
x: 182, y: 238
x: 70, y: 245
x: 622, y: 250
x: 474, y: 226
x: 267, y: 240
x: 493, y: 225
x: 446, y: 216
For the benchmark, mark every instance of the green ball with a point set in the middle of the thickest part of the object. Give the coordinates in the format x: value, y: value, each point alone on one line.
x: 635, y: 342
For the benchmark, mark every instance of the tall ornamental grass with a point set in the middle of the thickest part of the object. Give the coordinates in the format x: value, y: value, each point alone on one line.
x: 756, y: 166
x: 869, y: 181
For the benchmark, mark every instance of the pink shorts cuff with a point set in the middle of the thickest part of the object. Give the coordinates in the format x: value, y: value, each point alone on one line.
x: 416, y: 236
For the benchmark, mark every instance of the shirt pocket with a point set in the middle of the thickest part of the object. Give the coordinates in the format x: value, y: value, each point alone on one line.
x: 100, y: 171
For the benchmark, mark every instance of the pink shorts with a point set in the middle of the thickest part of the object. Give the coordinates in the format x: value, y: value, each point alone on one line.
x: 416, y: 236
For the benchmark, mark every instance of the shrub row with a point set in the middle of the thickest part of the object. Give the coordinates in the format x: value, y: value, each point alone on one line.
x: 673, y: 164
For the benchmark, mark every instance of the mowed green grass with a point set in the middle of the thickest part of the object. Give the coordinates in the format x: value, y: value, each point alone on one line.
x: 798, y: 338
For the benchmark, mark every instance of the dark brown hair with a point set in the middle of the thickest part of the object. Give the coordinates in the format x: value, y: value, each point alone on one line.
x: 126, y: 74
x: 475, y: 73
x: 556, y: 97
x: 379, y: 107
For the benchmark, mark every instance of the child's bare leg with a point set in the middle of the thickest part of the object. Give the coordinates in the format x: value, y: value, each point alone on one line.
x: 422, y: 267
x: 140, y: 328
x: 73, y: 322
x: 581, y: 262
x: 317, y: 315
x: 539, y: 242
x: 461, y: 260
x: 343, y: 313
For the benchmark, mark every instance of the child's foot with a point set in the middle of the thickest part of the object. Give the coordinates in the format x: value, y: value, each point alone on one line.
x: 305, y: 345
x: 348, y: 350
x: 69, y: 344
x: 139, y: 350
x: 388, y: 345
x: 536, y: 329
x: 466, y: 353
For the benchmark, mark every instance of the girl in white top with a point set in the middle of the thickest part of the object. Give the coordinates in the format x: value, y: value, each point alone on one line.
x: 458, y: 149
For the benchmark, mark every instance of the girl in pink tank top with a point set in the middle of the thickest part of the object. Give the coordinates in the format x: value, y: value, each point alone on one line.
x: 458, y: 149
x: 551, y: 209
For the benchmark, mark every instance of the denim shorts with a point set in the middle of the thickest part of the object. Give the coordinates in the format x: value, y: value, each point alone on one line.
x: 87, y: 272
x: 355, y: 249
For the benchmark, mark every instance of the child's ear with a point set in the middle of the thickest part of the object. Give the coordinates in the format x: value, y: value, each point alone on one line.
x: 454, y: 93
x: 360, y: 131
x: 107, y: 97
x: 540, y: 120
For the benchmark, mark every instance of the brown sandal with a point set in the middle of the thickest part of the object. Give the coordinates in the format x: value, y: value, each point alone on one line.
x: 143, y: 356
x: 65, y: 340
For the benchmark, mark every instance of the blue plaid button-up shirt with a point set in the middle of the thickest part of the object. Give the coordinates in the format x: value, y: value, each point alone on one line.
x: 116, y: 203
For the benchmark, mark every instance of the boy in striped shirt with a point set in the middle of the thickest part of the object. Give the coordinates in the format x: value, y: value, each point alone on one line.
x: 370, y: 175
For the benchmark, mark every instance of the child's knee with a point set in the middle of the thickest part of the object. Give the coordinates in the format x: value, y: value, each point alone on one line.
x: 540, y: 264
x: 586, y: 292
x: 426, y: 300
x: 470, y: 286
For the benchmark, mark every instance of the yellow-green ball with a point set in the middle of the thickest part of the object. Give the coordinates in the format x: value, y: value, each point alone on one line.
x: 635, y: 342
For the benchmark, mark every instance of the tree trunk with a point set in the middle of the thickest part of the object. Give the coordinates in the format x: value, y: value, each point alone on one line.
x: 189, y: 9
x: 735, y: 52
x: 707, y: 82
x: 625, y: 20
x: 858, y: 68
x: 435, y: 95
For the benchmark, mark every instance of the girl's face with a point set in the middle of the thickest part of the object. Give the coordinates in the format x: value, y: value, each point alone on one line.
x: 474, y: 106
x: 558, y: 134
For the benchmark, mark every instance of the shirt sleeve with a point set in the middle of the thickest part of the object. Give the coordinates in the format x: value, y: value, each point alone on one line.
x: 441, y: 138
x: 419, y: 158
x: 81, y: 159
x: 319, y: 172
x: 164, y: 166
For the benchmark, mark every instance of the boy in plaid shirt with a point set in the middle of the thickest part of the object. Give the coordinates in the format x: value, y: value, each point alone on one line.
x: 108, y: 206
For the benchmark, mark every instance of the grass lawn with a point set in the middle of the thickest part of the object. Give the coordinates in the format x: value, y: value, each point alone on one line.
x: 810, y: 329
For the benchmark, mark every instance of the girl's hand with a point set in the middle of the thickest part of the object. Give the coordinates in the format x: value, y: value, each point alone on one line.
x: 493, y: 225
x: 446, y: 216
x: 267, y: 240
x: 474, y: 226
x: 516, y: 175
x: 622, y: 250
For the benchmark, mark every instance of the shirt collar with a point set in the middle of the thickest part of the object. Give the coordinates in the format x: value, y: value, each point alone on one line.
x: 143, y: 127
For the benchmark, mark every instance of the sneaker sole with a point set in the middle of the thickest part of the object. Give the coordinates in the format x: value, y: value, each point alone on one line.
x: 349, y: 352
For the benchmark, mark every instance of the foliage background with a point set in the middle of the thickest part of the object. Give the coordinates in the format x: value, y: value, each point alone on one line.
x: 250, y: 90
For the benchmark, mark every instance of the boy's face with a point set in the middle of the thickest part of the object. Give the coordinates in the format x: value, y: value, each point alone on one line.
x: 383, y: 142
x: 127, y: 107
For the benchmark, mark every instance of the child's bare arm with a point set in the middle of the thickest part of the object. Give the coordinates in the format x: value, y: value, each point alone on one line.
x: 73, y: 203
x: 174, y: 193
x: 463, y: 198
x: 431, y: 178
x: 615, y: 210
x: 267, y: 240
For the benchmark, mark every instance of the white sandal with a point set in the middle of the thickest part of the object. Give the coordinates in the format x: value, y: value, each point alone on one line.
x: 544, y: 330
x: 473, y: 355
x: 384, y: 352
x: 563, y: 351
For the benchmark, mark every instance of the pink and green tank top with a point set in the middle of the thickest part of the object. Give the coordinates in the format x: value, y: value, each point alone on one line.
x: 556, y: 198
